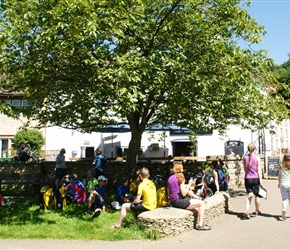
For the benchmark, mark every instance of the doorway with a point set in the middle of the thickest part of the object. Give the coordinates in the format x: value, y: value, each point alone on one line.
x: 183, y: 148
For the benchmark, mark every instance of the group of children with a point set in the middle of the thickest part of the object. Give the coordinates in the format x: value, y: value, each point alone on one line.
x: 72, y: 190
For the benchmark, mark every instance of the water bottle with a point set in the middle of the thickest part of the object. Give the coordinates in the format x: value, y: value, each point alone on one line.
x: 104, y: 208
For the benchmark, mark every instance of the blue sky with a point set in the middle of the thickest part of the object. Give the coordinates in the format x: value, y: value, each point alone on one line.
x: 275, y: 16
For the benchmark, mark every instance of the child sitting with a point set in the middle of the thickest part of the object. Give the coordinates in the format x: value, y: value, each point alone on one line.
x: 45, y: 195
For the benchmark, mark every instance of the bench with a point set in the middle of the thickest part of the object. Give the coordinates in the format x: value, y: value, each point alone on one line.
x: 169, y: 221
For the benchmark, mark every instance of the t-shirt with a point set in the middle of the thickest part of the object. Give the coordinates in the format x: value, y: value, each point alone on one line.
x: 253, y: 171
x: 91, y: 183
x: 60, y: 164
x: 147, y: 190
x: 173, y: 188
x: 102, y: 191
x: 285, y: 177
x: 79, y: 191
x: 133, y: 188
x: 122, y: 191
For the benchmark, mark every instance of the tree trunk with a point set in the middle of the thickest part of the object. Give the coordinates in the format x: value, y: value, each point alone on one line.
x: 133, y: 151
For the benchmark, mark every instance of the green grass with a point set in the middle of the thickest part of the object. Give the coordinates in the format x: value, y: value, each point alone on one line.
x: 24, y: 220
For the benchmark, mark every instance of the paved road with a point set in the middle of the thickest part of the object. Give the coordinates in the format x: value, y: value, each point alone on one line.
x: 229, y: 232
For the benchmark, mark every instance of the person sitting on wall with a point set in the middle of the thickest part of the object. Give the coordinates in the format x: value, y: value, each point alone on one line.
x: 22, y: 152
x: 147, y: 191
x: 181, y: 196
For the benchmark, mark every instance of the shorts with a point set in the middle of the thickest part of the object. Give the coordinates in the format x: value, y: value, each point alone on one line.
x: 96, y: 205
x: 285, y: 192
x: 60, y: 173
x: 181, y: 203
x: 251, y: 183
x: 139, y: 207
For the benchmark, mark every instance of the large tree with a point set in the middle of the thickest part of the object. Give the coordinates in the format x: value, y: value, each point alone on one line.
x: 142, y: 62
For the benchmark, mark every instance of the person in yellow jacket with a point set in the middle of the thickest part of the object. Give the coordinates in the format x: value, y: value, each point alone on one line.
x: 46, y: 194
x: 161, y: 195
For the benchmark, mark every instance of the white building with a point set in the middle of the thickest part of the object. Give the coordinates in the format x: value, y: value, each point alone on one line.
x: 78, y: 145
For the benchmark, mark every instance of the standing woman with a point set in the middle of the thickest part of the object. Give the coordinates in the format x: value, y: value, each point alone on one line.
x: 251, y: 164
x: 284, y: 183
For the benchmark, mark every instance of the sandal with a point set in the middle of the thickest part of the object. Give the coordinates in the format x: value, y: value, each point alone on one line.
x: 115, y: 227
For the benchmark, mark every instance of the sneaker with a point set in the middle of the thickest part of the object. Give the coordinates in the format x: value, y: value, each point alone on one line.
x: 257, y: 213
x: 96, y: 213
x: 284, y: 217
x: 203, y: 227
x: 246, y: 216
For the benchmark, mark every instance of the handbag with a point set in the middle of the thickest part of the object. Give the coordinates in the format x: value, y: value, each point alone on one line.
x: 260, y: 192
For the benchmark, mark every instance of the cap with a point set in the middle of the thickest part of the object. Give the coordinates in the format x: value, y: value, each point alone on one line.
x: 62, y: 150
x: 102, y: 178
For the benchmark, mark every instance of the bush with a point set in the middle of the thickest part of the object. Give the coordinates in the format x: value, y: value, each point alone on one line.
x: 31, y: 137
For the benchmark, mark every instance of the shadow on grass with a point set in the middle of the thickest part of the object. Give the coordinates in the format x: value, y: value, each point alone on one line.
x: 26, y: 210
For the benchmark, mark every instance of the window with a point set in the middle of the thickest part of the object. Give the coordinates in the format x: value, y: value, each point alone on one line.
x: 24, y: 103
x: 8, y: 101
x: 16, y: 103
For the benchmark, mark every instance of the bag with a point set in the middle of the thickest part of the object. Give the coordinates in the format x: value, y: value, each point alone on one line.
x: 208, y: 178
x: 116, y: 205
x: 260, y: 192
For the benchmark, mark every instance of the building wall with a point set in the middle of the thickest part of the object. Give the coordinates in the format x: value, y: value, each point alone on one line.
x: 76, y: 143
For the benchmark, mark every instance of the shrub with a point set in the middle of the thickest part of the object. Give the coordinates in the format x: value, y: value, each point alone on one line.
x: 31, y: 137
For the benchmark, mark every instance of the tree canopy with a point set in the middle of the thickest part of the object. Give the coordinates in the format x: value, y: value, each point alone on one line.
x: 283, y: 75
x: 142, y: 62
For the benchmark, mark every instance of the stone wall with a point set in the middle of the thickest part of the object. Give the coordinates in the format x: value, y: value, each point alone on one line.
x: 169, y: 221
x: 19, y: 173
x: 216, y: 206
x: 236, y: 169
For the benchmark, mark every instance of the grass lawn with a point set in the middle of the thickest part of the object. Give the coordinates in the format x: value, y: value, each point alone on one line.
x: 24, y: 220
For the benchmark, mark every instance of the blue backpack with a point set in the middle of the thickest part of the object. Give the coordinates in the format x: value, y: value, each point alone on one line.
x: 222, y: 179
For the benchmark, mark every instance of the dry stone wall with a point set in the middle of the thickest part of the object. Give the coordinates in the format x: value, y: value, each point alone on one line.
x: 169, y: 221
x: 18, y: 174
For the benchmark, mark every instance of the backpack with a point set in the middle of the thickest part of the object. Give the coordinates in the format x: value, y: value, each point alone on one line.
x: 222, y: 178
x: 208, y: 178
x: 103, y: 161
